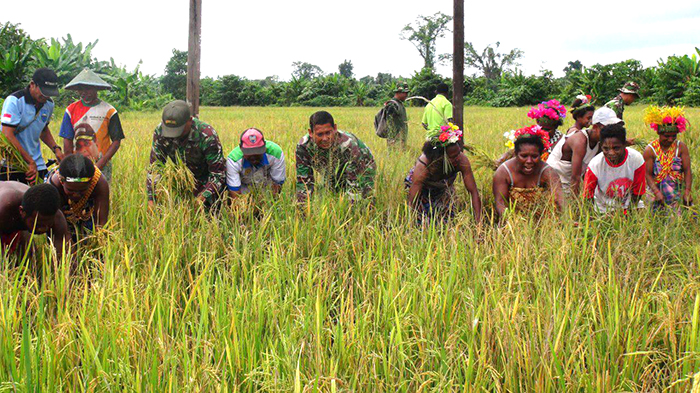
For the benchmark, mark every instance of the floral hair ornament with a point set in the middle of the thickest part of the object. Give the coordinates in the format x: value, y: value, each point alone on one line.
x: 527, y: 132
x: 585, y: 100
x: 666, y: 119
x: 551, y: 109
x: 445, y: 135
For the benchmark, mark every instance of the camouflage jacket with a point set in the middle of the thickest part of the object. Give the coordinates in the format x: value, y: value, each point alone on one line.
x: 397, y: 120
x: 617, y: 105
x: 200, y: 151
x: 347, y: 166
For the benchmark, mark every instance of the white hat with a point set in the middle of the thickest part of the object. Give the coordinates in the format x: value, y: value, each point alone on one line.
x: 605, y: 116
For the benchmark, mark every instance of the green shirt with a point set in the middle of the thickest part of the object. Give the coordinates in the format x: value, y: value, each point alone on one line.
x: 436, y: 113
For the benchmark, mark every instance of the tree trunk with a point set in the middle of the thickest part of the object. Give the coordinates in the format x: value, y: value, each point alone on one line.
x: 458, y: 64
x: 193, y: 56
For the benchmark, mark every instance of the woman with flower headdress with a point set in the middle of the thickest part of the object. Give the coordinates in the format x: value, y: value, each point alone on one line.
x: 525, y: 182
x: 430, y: 183
x: 550, y: 116
x: 667, y: 159
x: 582, y: 111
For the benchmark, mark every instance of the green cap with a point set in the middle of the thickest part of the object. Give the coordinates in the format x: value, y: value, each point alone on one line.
x: 402, y: 87
x: 175, y: 115
x: 87, y: 79
x: 630, y: 88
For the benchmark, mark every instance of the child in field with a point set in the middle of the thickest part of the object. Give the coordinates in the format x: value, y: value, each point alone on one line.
x: 525, y: 182
x: 616, y: 178
x: 668, y: 172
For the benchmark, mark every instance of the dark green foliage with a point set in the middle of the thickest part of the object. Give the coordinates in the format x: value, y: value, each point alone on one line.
x: 345, y: 69
x: 423, y: 84
x: 174, y: 80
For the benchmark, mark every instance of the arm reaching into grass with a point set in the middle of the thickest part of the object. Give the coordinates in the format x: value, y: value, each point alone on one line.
x: 9, y: 132
x: 48, y: 140
x: 101, y: 202
x: 216, y: 165
x: 470, y: 185
x: 305, y: 174
x: 419, y: 175
x: 60, y: 236
x: 554, y: 185
x: 501, y: 188
x: 157, y: 156
x: 649, y: 158
x: 578, y: 152
x: 687, y: 173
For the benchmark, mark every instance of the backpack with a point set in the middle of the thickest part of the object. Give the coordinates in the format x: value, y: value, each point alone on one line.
x: 380, y: 121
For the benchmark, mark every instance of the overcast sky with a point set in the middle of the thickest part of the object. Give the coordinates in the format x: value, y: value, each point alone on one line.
x: 260, y: 38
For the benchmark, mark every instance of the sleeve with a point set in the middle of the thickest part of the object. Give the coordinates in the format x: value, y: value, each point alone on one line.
x: 216, y: 164
x: 639, y: 182
x: 305, y: 172
x: 590, y: 182
x: 157, y: 156
x: 233, y: 175
x: 114, y: 129
x: 11, y: 115
x: 278, y: 171
x: 67, y: 131
x: 448, y: 110
x: 360, y: 171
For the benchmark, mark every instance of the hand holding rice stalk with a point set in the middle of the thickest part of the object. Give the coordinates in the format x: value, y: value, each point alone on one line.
x: 11, y: 157
x: 173, y: 180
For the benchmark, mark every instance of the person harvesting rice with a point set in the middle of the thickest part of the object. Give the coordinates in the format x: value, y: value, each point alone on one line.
x: 196, y: 143
x: 525, y: 183
x: 25, y: 117
x: 430, y: 183
x: 84, y: 193
x: 667, y: 159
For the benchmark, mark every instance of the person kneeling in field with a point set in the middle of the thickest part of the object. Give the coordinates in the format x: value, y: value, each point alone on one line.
x: 84, y: 193
x: 571, y: 157
x: 525, y: 183
x: 668, y: 172
x: 26, y: 211
x: 615, y: 179
x: 430, y: 183
x: 182, y: 136
x: 343, y: 159
x: 255, y: 164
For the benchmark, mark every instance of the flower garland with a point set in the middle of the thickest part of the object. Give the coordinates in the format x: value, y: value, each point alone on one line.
x: 533, y: 131
x: 446, y: 135
x: 585, y: 101
x: 666, y: 119
x: 551, y: 109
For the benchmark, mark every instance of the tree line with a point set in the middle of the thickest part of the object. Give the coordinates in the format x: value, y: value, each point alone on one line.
x: 496, y: 80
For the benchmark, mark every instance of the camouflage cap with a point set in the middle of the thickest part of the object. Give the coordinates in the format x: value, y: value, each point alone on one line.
x: 402, y: 87
x: 630, y: 88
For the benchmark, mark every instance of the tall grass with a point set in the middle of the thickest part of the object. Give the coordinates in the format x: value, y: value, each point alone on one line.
x: 350, y: 298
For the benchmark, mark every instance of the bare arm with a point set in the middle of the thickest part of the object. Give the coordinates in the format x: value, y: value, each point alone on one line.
x: 419, y: 174
x: 68, y: 146
x: 554, y: 185
x: 649, y: 158
x: 109, y: 154
x: 687, y: 173
x: 578, y: 152
x: 500, y: 191
x: 102, y: 202
x: 470, y: 185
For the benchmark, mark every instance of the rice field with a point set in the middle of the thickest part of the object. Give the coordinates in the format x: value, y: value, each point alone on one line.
x: 344, y: 299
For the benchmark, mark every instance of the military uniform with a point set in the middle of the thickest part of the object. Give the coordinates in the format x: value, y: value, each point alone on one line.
x: 202, y: 154
x: 397, y: 124
x: 347, y: 166
x: 617, y: 104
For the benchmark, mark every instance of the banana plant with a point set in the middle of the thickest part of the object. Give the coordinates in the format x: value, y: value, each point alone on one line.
x: 66, y: 58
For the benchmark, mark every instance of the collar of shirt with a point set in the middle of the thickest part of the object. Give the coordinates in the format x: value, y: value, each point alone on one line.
x: 30, y: 100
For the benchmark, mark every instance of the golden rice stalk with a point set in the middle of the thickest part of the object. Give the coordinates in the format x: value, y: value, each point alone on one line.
x: 11, y: 156
x: 173, y: 180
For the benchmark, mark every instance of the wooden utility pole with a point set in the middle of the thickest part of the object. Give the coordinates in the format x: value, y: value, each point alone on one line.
x: 193, y: 55
x: 458, y: 64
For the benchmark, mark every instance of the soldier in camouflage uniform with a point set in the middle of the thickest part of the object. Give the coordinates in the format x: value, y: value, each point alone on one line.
x: 397, y: 120
x: 628, y: 93
x: 345, y: 162
x: 196, y: 144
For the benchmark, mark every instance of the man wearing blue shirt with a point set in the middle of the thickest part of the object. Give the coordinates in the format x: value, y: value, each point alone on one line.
x: 25, y: 121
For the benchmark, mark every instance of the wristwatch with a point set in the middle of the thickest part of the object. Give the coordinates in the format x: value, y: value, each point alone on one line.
x: 56, y: 147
